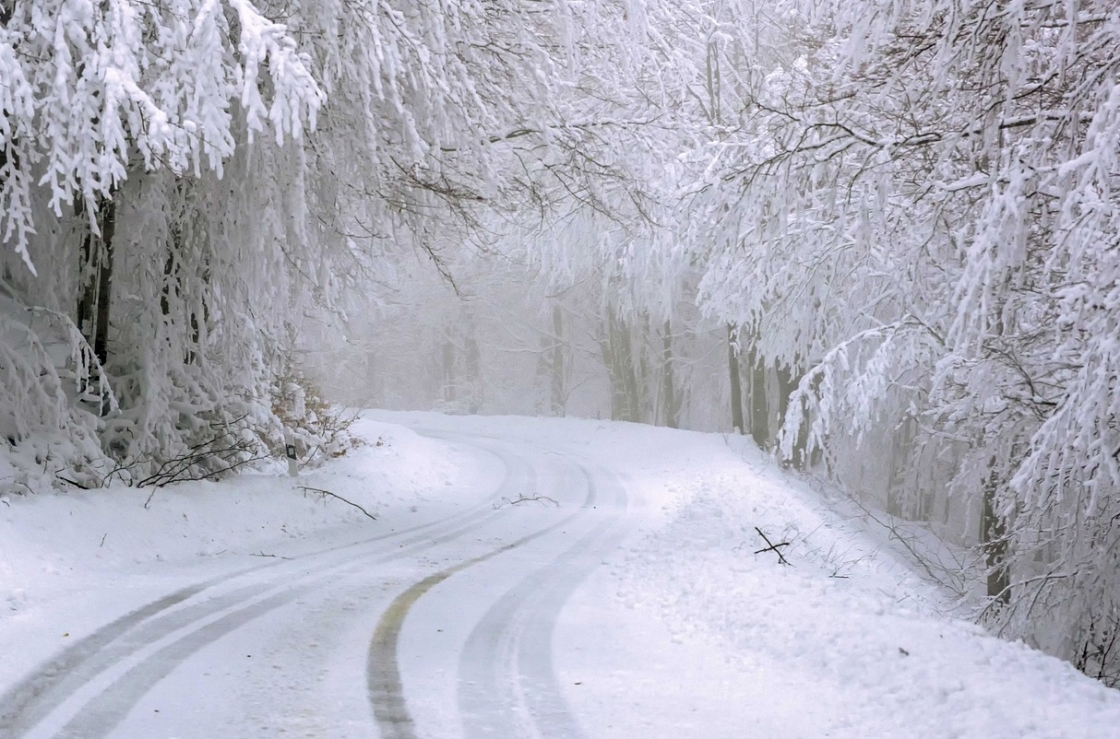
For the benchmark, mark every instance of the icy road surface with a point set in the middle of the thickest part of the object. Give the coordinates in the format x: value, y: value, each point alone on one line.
x: 523, y: 578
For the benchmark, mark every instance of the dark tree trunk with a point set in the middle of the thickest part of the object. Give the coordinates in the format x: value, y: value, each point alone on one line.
x: 108, y: 217
x: 993, y: 536
x: 95, y: 285
x: 87, y: 278
x: 736, y: 380
x: 618, y: 355
x: 95, y: 279
x: 169, y: 278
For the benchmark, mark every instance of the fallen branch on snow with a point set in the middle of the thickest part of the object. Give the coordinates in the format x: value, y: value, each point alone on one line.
x: 771, y: 547
x: 542, y: 499
x: 328, y: 493
x: 271, y: 556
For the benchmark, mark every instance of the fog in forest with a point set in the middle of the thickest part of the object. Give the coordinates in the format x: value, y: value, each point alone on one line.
x: 881, y: 238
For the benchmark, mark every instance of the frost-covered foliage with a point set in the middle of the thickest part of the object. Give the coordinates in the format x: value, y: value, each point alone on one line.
x: 920, y: 213
x: 186, y: 179
x: 901, y: 213
x: 90, y: 87
x: 45, y: 365
x: 120, y: 123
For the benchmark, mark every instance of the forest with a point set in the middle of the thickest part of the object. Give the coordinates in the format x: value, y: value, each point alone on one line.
x: 878, y: 236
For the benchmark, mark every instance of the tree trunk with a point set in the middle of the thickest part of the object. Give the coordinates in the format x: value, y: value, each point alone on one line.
x: 993, y: 537
x: 758, y: 400
x: 993, y: 529
x: 787, y: 384
x: 618, y: 355
x: 108, y: 217
x: 638, y: 378
x: 173, y: 288
x: 473, y: 357
x: 95, y: 283
x: 736, y: 380
x: 556, y: 362
x: 670, y: 402
x: 800, y: 458
x: 87, y: 278
x: 372, y: 395
x: 448, y: 371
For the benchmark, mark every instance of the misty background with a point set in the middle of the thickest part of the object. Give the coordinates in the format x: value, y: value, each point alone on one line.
x: 882, y: 238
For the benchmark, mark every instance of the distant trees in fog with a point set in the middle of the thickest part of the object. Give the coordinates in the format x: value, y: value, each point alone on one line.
x: 891, y: 226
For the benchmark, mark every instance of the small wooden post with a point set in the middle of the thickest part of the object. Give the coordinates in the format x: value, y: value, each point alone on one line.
x: 293, y: 461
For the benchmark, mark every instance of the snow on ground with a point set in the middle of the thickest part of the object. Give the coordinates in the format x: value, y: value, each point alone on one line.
x: 73, y: 561
x: 685, y: 631
x: 845, y: 641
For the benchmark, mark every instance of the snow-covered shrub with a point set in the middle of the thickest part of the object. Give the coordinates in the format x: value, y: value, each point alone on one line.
x: 49, y: 379
x: 318, y: 429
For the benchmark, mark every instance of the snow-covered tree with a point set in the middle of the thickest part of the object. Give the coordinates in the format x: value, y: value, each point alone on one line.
x: 920, y: 211
x: 183, y: 179
x: 117, y: 123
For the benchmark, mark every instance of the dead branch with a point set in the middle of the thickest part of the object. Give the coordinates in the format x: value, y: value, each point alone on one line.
x: 336, y: 496
x: 269, y: 556
x: 185, y: 467
x: 947, y: 578
x: 771, y: 547
x: 542, y: 499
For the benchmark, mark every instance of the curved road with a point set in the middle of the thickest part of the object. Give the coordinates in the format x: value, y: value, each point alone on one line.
x: 442, y: 629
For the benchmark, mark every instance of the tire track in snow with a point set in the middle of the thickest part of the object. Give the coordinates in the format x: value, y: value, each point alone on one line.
x: 507, y: 682
x: 28, y: 701
x: 386, y: 693
x: 487, y: 690
x: 190, y: 626
x: 383, y: 678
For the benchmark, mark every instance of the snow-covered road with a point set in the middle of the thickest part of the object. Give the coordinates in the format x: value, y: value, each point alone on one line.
x: 524, y: 578
x: 417, y: 630
x: 477, y: 649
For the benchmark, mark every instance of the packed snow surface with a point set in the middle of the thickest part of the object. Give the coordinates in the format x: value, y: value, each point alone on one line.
x: 523, y: 577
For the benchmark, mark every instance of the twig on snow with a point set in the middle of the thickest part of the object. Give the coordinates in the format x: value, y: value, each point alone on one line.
x: 336, y: 496
x: 542, y: 499
x: 270, y: 556
x: 771, y: 547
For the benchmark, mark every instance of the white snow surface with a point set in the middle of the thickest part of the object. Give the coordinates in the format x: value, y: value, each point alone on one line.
x: 662, y: 621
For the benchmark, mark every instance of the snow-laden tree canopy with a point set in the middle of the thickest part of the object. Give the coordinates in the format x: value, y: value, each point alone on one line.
x: 918, y: 211
x: 94, y: 89
x: 181, y: 181
x: 898, y: 217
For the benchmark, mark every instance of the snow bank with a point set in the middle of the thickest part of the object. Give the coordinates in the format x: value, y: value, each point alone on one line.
x: 847, y: 640
x: 104, y: 552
